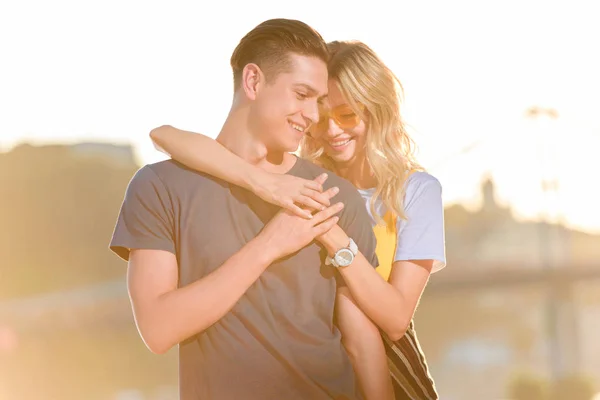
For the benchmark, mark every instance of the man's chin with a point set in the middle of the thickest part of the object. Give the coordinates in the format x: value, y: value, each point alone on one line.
x: 292, y: 147
x: 283, y: 148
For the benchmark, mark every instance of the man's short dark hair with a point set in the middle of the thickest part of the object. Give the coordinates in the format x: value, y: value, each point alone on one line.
x: 269, y: 45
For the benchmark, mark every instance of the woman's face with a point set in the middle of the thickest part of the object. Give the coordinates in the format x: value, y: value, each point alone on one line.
x: 340, y: 131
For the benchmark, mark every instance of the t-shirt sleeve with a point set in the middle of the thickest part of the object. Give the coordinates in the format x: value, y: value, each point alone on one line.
x: 421, y: 235
x: 146, y: 218
x: 356, y: 222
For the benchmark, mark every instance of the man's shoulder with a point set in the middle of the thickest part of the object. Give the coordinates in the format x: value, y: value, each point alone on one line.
x: 171, y: 174
x: 167, y: 168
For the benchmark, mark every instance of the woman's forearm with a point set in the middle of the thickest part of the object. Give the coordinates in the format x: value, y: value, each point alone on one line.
x: 387, y: 307
x: 204, y: 154
x: 379, y: 300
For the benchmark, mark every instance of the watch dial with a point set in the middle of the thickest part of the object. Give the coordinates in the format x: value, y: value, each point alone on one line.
x: 344, y: 257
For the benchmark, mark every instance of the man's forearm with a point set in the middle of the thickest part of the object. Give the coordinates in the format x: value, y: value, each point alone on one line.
x: 184, y: 312
x: 370, y: 364
x: 364, y: 345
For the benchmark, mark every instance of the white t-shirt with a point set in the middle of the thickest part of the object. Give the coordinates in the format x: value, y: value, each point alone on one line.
x: 421, y: 235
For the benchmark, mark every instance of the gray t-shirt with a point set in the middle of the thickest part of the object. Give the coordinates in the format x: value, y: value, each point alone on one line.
x: 279, y: 340
x: 421, y: 234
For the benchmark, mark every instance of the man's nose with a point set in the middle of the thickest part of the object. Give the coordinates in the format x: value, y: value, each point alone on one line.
x: 312, y: 113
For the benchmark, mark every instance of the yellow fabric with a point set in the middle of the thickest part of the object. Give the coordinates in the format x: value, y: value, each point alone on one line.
x: 387, y: 237
x: 386, y: 244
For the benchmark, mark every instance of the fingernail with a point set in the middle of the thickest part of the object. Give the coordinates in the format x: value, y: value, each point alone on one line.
x: 336, y: 189
x: 323, y: 176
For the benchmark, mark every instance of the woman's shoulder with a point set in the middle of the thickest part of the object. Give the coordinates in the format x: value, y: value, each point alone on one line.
x: 421, y: 184
x: 420, y: 178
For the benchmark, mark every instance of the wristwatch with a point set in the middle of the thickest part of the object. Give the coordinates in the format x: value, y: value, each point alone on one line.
x: 344, y: 256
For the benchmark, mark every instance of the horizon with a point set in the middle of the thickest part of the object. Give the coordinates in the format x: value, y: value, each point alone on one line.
x: 472, y: 205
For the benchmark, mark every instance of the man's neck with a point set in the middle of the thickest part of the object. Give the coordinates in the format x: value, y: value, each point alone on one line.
x: 237, y: 137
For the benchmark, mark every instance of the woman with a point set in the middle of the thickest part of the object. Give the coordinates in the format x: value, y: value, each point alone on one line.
x: 362, y: 138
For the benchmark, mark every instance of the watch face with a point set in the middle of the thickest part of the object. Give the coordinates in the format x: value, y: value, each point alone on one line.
x: 344, y: 257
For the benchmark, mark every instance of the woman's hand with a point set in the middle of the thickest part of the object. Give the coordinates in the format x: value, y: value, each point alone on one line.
x: 334, y: 239
x: 297, y: 195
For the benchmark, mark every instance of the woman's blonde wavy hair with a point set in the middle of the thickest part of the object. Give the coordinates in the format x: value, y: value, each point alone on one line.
x: 363, y: 78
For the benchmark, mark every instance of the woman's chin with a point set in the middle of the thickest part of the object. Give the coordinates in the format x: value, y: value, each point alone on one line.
x: 344, y: 156
x: 341, y: 158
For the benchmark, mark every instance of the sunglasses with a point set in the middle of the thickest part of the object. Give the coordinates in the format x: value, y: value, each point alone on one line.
x: 343, y: 116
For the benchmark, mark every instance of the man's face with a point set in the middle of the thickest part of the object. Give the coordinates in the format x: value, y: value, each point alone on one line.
x: 287, y: 106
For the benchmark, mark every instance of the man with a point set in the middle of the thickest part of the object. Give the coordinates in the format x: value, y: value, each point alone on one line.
x: 240, y: 285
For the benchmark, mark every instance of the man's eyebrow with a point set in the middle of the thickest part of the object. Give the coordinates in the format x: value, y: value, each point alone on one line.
x: 312, y: 90
x: 307, y: 87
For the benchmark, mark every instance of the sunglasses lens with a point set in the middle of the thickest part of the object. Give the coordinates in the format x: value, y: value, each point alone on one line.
x: 348, y: 121
x: 343, y: 116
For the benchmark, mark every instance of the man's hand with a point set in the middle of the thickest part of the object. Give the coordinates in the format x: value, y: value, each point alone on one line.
x: 287, y: 233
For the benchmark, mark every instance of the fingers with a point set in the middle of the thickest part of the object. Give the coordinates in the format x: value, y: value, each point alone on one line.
x: 326, y: 226
x: 327, y: 213
x: 313, y: 185
x: 320, y: 180
x: 329, y: 193
x: 319, y: 197
x: 310, y: 203
x: 293, y: 208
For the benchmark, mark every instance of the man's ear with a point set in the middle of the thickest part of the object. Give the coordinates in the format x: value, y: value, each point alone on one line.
x: 252, y: 80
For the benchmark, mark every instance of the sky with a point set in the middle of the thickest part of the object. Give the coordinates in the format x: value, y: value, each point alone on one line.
x: 112, y: 70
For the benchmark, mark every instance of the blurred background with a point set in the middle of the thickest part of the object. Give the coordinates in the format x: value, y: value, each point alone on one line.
x: 501, y: 97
